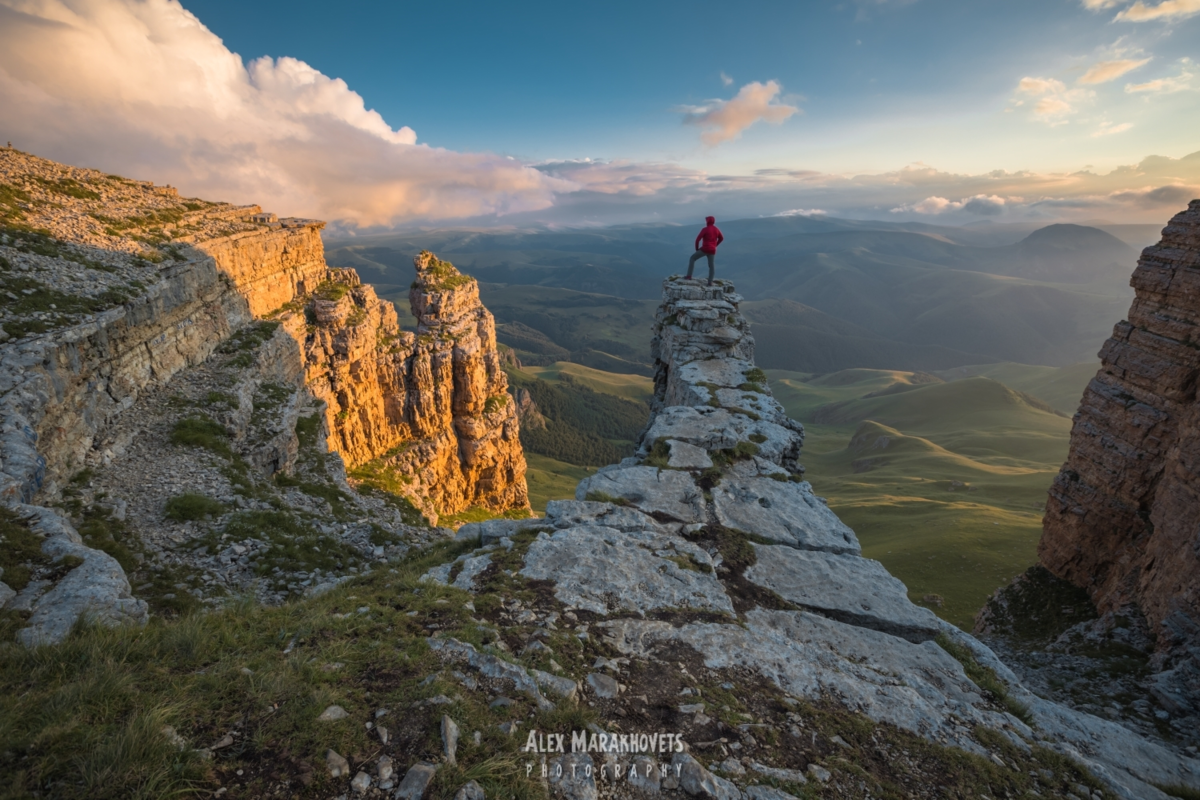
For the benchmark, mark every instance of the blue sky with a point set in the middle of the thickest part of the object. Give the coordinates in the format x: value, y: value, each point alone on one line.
x: 383, y: 114
x: 883, y: 84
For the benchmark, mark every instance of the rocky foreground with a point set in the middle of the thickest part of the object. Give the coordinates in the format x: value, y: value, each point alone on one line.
x: 709, y: 554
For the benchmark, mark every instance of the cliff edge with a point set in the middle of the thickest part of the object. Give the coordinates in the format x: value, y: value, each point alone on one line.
x: 709, y: 555
x: 1123, y: 518
x: 183, y: 385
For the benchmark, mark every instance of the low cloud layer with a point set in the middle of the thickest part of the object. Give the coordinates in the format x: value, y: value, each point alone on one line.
x: 142, y: 87
x: 1142, y: 11
x: 1150, y: 191
x: 724, y: 120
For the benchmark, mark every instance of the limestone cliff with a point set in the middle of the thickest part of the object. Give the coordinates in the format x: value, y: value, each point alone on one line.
x: 1123, y: 518
x: 431, y: 407
x: 122, y: 299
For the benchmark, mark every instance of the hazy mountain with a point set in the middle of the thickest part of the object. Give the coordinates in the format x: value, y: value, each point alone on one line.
x: 824, y: 293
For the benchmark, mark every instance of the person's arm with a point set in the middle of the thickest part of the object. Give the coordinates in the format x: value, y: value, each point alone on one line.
x: 720, y: 236
x: 699, y: 236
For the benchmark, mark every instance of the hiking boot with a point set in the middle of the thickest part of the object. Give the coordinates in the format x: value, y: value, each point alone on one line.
x: 710, y: 283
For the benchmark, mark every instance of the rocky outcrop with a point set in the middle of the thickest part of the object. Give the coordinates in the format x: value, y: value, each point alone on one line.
x: 104, y: 321
x: 432, y: 406
x: 1122, y: 518
x: 708, y: 554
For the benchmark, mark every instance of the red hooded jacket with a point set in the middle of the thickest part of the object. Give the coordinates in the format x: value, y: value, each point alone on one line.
x: 711, y: 235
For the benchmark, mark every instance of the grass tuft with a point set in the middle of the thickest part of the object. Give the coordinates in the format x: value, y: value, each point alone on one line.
x: 191, y: 506
x: 202, y: 431
x: 985, y: 678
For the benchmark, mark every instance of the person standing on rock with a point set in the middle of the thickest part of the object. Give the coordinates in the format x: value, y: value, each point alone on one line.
x: 706, y: 245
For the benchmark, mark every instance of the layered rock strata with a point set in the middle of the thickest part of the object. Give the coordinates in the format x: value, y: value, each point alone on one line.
x: 1123, y: 517
x: 432, y: 406
x: 102, y: 319
x: 710, y: 542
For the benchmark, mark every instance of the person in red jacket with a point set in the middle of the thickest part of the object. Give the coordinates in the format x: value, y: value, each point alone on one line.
x: 706, y: 245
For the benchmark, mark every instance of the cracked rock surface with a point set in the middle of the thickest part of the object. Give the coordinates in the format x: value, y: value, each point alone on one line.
x: 739, y: 564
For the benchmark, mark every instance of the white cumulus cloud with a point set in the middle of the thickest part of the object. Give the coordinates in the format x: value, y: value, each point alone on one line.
x: 141, y: 87
x: 723, y: 120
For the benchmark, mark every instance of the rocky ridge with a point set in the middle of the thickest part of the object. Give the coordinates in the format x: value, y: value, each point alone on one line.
x: 707, y: 554
x: 159, y: 348
x: 1121, y: 521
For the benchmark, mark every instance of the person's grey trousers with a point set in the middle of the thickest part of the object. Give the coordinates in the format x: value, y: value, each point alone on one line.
x: 696, y: 256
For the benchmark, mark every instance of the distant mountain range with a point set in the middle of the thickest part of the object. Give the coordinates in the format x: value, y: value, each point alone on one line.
x: 823, y: 294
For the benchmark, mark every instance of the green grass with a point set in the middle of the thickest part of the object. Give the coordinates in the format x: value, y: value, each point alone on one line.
x: 631, y: 387
x: 379, y: 478
x: 1061, y: 387
x: 191, y: 506
x: 479, y: 514
x: 202, y: 431
x: 84, y: 719
x: 985, y: 678
x: 441, y: 276
x: 549, y: 479
x: 20, y: 548
x: 945, y: 483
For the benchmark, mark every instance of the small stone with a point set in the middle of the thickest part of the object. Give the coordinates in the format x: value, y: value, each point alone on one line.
x: 361, y: 782
x: 449, y: 738
x: 384, y: 768
x: 691, y: 708
x: 247, y: 671
x: 732, y: 766
x: 477, y: 737
x: 225, y: 741
x: 604, y: 686
x: 509, y: 728
x: 332, y: 714
x: 839, y: 741
x: 416, y: 781
x: 696, y: 780
x: 382, y: 733
x: 338, y: 766
x: 819, y: 772
x: 767, y: 793
x: 470, y: 791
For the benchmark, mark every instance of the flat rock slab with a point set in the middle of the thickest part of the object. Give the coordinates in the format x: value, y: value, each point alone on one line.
x: 472, y: 566
x: 604, y: 570
x: 813, y: 657
x: 722, y: 372
x: 784, y: 512
x: 650, y: 489
x: 713, y: 429
x: 570, y: 513
x: 687, y: 456
x: 849, y: 588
